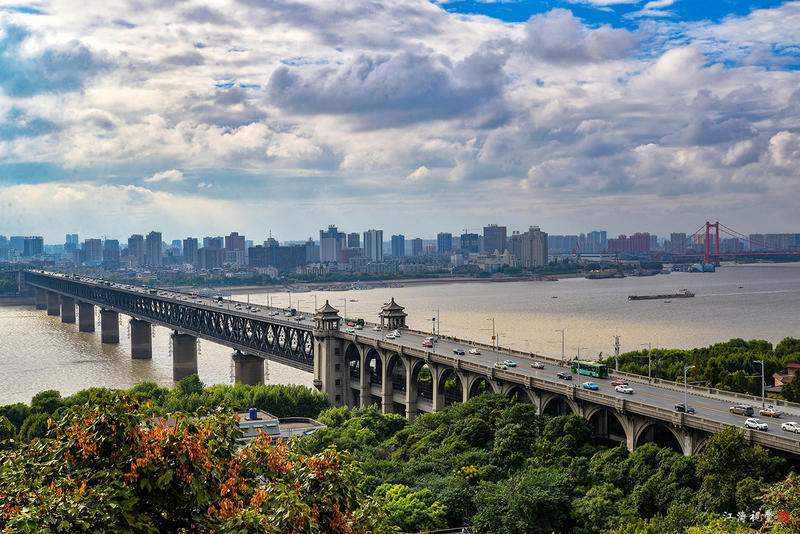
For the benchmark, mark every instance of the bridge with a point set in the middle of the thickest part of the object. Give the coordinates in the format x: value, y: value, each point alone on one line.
x: 364, y: 367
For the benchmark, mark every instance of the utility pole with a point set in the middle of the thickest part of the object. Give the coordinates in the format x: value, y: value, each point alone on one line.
x: 649, y: 361
x: 616, y: 353
x: 493, y: 336
x: 686, y: 390
x: 762, y: 381
x: 562, y: 346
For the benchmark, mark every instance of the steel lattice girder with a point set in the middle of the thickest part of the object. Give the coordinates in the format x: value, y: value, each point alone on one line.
x: 294, y: 343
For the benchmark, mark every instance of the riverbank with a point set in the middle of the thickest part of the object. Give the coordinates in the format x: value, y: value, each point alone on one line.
x: 16, y: 300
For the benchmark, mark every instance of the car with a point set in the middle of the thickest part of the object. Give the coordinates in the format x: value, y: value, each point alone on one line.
x: 590, y: 385
x: 770, y: 411
x: 742, y: 409
x: 619, y: 382
x: 427, y: 344
x: 359, y: 327
x: 397, y: 333
x: 791, y: 426
x: 564, y: 375
x: 624, y: 389
x: 684, y: 408
x: 351, y: 330
x: 500, y: 365
x: 376, y: 328
x: 537, y: 365
x: 756, y: 424
x: 460, y: 352
x: 474, y: 351
x: 431, y: 339
x: 510, y: 363
x: 392, y: 336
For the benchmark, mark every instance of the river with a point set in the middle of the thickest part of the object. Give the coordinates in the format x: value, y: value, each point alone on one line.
x: 761, y: 301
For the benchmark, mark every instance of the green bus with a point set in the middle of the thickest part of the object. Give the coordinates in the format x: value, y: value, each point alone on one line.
x: 594, y: 369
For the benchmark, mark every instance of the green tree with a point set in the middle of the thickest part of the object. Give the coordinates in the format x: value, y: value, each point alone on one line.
x: 16, y: 413
x: 190, y: 385
x: 535, y: 501
x: 410, y: 511
x: 47, y: 401
x: 597, y: 510
x: 7, y: 430
x: 35, y: 426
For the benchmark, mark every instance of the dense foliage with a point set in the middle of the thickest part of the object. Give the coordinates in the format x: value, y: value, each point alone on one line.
x: 502, y: 468
x: 109, y: 466
x: 190, y: 395
x: 728, y: 366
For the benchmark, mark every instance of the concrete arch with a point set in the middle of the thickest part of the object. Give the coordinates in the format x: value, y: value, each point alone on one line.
x: 659, y: 433
x: 521, y: 393
x: 373, y: 366
x: 397, y: 369
x: 422, y: 375
x: 477, y: 385
x: 555, y: 405
x: 609, y: 425
x: 450, y: 386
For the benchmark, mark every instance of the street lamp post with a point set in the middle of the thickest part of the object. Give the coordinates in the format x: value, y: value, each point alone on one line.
x: 762, y: 381
x: 649, y: 361
x: 345, y: 310
x: 493, y: 335
x: 579, y: 352
x: 686, y: 389
x: 562, y: 345
x: 616, y: 353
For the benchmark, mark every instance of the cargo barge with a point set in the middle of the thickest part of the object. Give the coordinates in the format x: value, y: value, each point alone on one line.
x: 682, y: 294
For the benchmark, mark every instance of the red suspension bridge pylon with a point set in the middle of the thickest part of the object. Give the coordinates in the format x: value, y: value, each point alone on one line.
x: 708, y: 258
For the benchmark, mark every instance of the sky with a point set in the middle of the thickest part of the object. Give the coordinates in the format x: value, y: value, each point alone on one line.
x: 200, y: 118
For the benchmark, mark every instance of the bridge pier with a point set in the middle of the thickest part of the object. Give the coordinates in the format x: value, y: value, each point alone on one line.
x: 141, y: 340
x: 109, y: 326
x: 85, y: 317
x: 411, y: 391
x: 53, y: 305
x: 184, y: 356
x: 41, y: 299
x: 68, y: 310
x: 248, y: 369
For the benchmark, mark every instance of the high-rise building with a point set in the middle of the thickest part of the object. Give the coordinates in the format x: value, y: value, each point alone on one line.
x: 209, y: 257
x: 111, y: 250
x: 33, y: 246
x: 92, y: 250
x: 494, y: 239
x: 17, y: 242
x: 398, y: 246
x: 533, y: 251
x: 677, y: 243
x: 373, y: 245
x: 152, y: 249
x: 136, y: 248
x: 234, y: 248
x: 312, y: 251
x: 416, y: 247
x: 72, y: 239
x: 444, y: 242
x: 353, y: 240
x: 3, y: 248
x: 470, y: 242
x: 213, y: 242
x: 331, y: 242
x: 190, y: 250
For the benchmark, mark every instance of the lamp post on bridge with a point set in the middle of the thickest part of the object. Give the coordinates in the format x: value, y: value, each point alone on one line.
x: 649, y: 361
x: 562, y: 346
x: 686, y: 390
x: 762, y: 381
x: 493, y: 334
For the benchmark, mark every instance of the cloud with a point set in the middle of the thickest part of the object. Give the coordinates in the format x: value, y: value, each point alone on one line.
x: 559, y: 37
x: 65, y: 67
x: 172, y: 175
x: 392, y: 89
x: 420, y: 173
x: 784, y: 148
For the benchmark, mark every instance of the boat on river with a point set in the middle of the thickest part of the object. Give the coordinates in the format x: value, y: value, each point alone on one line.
x: 681, y: 294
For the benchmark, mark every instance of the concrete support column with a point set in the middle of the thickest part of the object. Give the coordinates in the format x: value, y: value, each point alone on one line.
x: 411, y: 392
x: 53, y: 305
x: 85, y: 317
x: 437, y: 399
x: 387, y: 402
x: 184, y: 356
x: 41, y: 299
x: 365, y: 396
x: 68, y: 310
x: 109, y: 326
x: 466, y: 385
x: 248, y: 369
x: 141, y: 340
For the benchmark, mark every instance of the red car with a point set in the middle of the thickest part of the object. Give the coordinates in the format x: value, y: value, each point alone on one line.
x: 427, y: 344
x: 619, y: 383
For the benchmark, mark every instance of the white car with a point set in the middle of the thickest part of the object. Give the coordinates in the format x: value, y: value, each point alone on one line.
x: 624, y: 389
x: 351, y: 330
x: 396, y: 333
x: 791, y: 426
x: 377, y: 328
x: 756, y: 424
x: 390, y: 336
x: 474, y: 351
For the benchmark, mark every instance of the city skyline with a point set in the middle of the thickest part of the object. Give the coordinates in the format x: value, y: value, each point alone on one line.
x: 569, y: 114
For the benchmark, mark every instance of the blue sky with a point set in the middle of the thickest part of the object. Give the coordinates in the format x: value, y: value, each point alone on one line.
x: 198, y: 118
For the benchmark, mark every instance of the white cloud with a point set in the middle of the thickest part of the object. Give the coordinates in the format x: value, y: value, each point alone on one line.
x: 420, y: 173
x: 172, y: 175
x: 784, y: 148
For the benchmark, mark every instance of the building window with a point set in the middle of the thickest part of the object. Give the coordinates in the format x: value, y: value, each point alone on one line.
x: 336, y: 367
x: 338, y: 382
x: 338, y: 398
x: 336, y: 351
